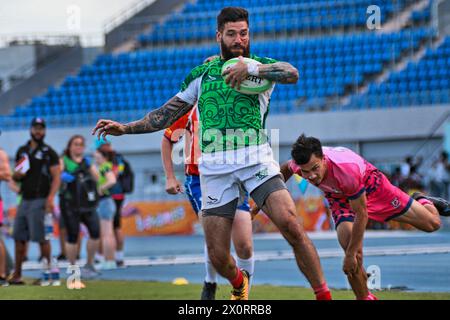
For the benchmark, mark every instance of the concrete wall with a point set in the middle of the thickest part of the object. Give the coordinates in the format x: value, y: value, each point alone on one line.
x: 91, y: 53
x: 52, y: 73
x: 14, y: 58
x: 443, y: 13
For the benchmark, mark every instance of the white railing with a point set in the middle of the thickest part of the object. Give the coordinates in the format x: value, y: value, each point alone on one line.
x: 84, y: 39
x: 125, y: 14
x: 39, y: 38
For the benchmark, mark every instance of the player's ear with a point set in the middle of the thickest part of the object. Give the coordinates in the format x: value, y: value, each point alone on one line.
x: 218, y: 36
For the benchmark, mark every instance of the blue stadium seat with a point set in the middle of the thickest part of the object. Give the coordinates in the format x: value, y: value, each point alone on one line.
x: 329, y: 66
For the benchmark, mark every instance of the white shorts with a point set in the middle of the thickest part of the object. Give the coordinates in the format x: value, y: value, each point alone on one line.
x: 220, y: 189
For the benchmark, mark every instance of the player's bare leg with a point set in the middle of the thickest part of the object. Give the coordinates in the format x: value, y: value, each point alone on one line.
x: 242, y: 237
x: 423, y: 217
x: 218, y: 241
x: 358, y: 280
x: 210, y: 283
x: 242, y: 234
x: 280, y: 208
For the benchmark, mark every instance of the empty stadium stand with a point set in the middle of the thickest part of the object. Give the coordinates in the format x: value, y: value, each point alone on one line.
x: 425, y: 82
x: 332, y: 66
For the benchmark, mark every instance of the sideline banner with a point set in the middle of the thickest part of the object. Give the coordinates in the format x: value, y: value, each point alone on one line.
x: 310, y: 210
x: 148, y: 218
x: 158, y: 218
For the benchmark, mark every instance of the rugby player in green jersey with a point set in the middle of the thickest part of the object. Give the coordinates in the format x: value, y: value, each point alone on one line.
x: 236, y: 155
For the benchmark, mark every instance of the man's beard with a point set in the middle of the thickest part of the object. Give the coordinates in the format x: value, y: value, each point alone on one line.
x: 228, y: 54
x: 36, y: 139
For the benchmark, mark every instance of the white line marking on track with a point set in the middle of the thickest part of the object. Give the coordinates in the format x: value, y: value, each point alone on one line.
x: 270, y: 255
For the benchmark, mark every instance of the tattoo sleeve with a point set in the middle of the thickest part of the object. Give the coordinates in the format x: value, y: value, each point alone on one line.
x: 160, y: 118
x: 281, y: 72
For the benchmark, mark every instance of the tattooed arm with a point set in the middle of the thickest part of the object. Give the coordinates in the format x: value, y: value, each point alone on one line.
x: 155, y: 120
x: 160, y: 118
x: 282, y: 72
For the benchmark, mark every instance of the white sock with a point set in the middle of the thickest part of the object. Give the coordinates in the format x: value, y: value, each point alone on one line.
x: 248, y: 265
x: 119, y: 255
x: 211, y: 273
x: 99, y: 257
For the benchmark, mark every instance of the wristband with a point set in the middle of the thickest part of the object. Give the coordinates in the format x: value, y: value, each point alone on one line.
x: 253, y: 69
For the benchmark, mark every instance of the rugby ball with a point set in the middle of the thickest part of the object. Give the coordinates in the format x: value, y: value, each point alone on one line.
x: 251, y: 85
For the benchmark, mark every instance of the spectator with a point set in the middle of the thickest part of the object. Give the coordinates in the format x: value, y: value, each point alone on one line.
x: 38, y: 171
x: 124, y: 176
x: 413, y: 183
x: 406, y: 167
x: 439, y: 176
x: 78, y: 201
x: 105, y: 209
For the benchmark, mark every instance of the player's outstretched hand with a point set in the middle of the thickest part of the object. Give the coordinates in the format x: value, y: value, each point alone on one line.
x: 105, y: 127
x: 236, y: 74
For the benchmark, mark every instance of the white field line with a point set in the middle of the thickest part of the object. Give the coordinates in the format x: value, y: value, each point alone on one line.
x: 330, y: 235
x: 270, y: 256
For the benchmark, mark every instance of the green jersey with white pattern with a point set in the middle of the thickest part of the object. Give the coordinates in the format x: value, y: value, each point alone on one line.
x: 229, y: 119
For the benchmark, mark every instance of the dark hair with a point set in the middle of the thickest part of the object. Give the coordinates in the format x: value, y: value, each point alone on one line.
x: 231, y: 14
x: 109, y: 156
x: 69, y: 143
x: 304, y: 148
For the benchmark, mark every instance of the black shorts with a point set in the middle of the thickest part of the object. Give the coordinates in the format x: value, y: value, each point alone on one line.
x: 73, y: 218
x: 117, y: 223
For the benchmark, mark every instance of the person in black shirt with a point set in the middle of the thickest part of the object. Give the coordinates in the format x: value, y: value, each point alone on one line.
x: 38, y: 171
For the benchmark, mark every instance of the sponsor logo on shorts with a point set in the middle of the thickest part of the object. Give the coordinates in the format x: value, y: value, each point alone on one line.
x: 212, y: 200
x: 262, y: 174
x: 395, y: 203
